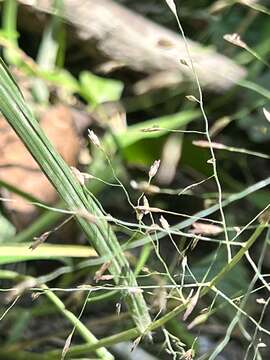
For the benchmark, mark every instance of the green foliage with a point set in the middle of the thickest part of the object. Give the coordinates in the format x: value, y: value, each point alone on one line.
x: 97, y: 90
x: 148, y: 251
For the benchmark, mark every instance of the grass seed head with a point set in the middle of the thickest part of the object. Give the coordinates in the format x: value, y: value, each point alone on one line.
x: 93, y: 138
x: 154, y: 169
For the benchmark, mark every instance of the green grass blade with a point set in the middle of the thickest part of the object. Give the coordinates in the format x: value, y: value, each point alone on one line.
x: 101, y: 236
x: 9, y: 20
x: 22, y: 252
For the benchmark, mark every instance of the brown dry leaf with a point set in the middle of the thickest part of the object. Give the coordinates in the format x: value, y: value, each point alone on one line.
x: 205, y: 229
x: 19, y: 169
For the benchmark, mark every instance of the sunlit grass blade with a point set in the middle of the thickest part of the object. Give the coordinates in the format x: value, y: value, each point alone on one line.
x: 22, y: 252
x: 9, y: 19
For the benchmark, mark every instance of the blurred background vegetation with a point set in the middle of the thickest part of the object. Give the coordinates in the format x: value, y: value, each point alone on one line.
x: 169, y: 224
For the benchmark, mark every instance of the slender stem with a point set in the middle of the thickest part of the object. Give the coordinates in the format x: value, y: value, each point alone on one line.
x: 134, y: 333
